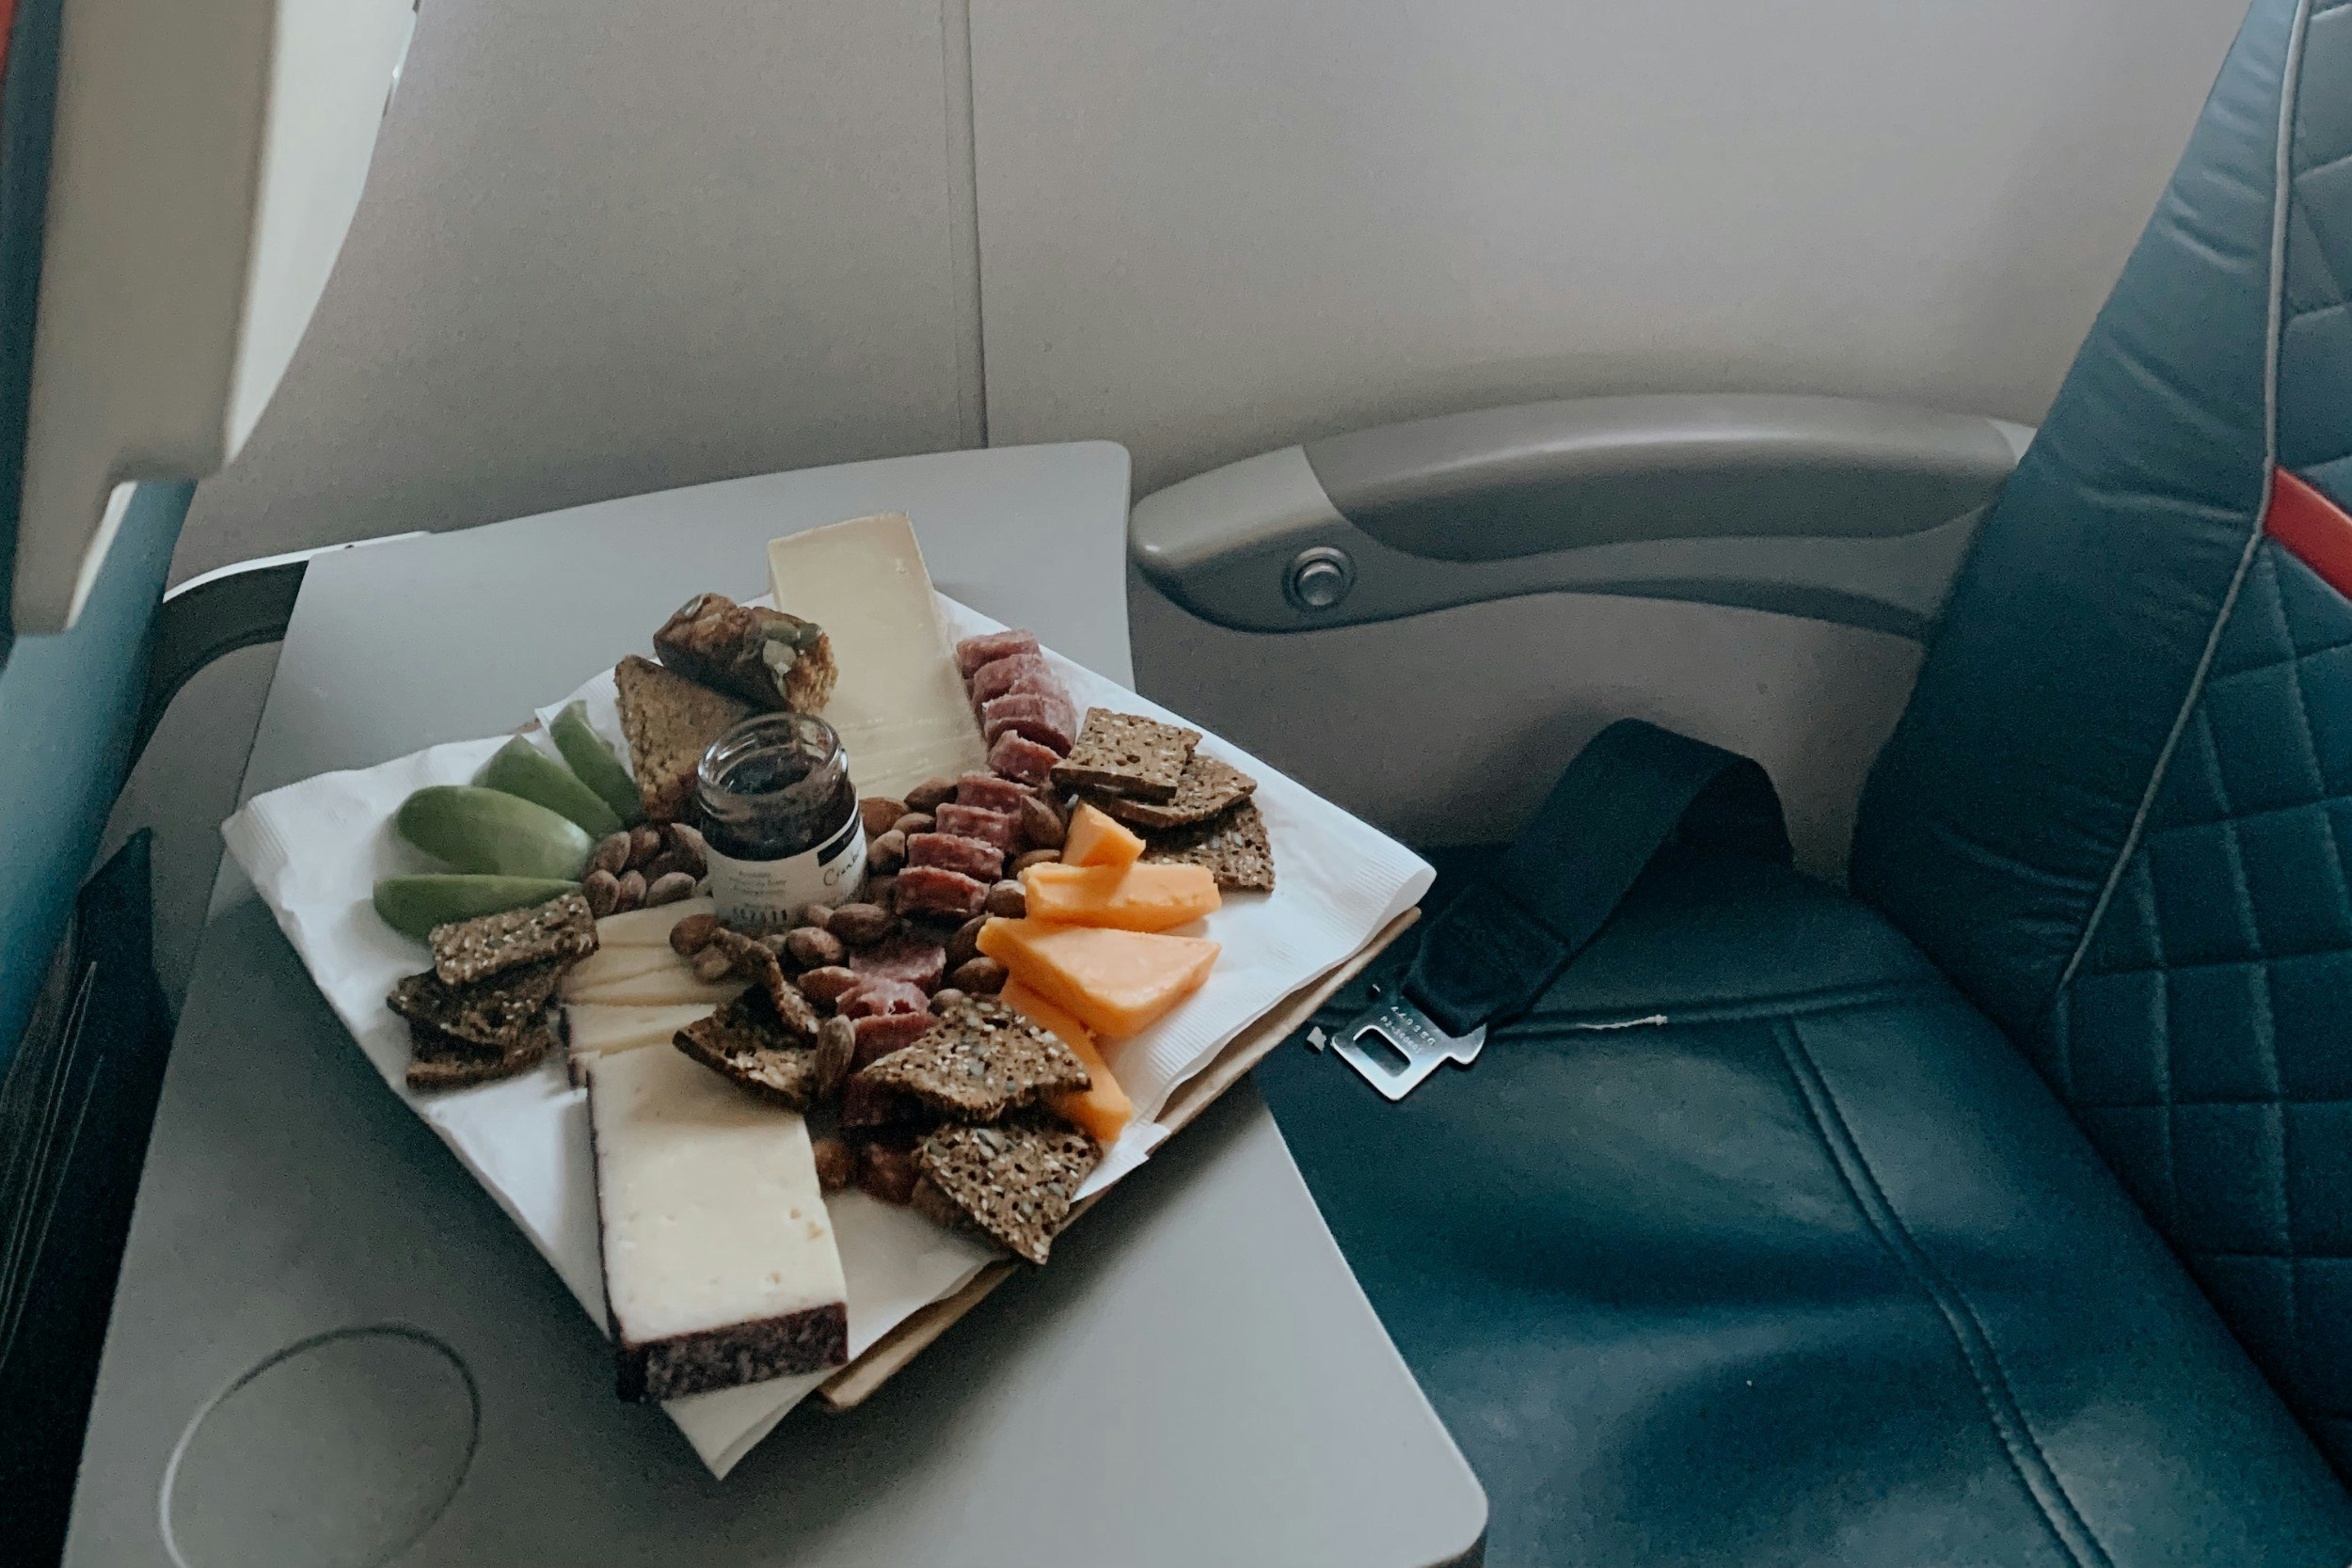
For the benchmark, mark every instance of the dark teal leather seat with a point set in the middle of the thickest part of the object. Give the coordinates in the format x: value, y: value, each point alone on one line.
x: 2000, y: 1212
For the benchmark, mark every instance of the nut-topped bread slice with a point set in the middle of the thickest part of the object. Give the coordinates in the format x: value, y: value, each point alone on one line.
x: 669, y: 722
x: 766, y: 657
x: 1125, y: 754
x: 980, y: 1060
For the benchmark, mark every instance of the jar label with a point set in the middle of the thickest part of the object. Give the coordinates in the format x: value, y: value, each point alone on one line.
x: 764, y: 895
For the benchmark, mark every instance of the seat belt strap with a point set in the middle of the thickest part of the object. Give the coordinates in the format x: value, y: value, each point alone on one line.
x: 1497, y: 948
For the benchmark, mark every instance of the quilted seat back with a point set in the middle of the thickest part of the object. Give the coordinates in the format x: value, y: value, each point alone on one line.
x: 2118, y: 809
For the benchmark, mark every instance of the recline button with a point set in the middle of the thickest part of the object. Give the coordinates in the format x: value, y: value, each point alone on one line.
x: 1319, y: 579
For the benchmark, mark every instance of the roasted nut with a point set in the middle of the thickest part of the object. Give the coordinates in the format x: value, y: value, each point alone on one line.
x: 671, y: 887
x: 965, y: 944
x: 632, y: 891
x: 714, y: 963
x: 836, y: 1048
x: 1007, y: 898
x: 603, y: 892
x: 1041, y: 827
x: 946, y: 997
x: 915, y: 822
x: 812, y: 948
x: 610, y: 854
x: 931, y: 795
x: 837, y: 1162
x: 886, y: 853
x: 693, y: 934
x: 860, y: 925
x: 825, y: 986
x: 819, y: 915
x: 888, y: 1174
x: 644, y: 842
x: 879, y: 812
x: 980, y: 976
x: 679, y: 839
x: 883, y: 891
x: 1034, y: 857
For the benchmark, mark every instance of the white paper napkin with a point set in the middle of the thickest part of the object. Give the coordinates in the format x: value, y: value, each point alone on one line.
x: 315, y: 849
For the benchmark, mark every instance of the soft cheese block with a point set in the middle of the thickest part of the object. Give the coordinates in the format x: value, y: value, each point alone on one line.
x: 900, y: 705
x: 593, y: 1029
x: 720, y: 1267
x: 650, y: 928
x: 1115, y: 982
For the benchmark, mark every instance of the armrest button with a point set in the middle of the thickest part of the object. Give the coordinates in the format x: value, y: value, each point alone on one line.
x: 1319, y: 579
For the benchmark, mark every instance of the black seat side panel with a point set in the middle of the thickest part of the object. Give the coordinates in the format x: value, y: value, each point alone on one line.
x: 1815, y: 1269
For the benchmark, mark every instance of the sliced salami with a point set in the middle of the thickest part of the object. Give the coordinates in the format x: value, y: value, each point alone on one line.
x: 878, y: 995
x: 988, y: 648
x: 999, y: 827
x: 1047, y: 721
x: 880, y: 1035
x: 1016, y: 756
x: 909, y: 958
x: 933, y: 890
x: 953, y: 853
x: 990, y: 793
x: 1021, y: 673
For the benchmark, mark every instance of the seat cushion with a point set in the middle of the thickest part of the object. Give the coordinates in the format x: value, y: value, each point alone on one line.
x: 1755, y: 1244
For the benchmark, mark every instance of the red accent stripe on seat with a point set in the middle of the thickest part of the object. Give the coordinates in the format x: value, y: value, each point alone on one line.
x: 2314, y: 528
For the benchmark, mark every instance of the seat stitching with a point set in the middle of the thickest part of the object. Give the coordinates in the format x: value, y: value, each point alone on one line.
x: 1975, y: 1348
x: 1541, y: 1024
x: 2282, y: 194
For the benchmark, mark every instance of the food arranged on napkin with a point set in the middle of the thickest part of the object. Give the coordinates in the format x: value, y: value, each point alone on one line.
x: 774, y: 988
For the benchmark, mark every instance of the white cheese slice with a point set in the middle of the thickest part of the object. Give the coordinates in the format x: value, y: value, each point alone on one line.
x: 650, y: 928
x: 898, y: 705
x: 608, y: 965
x: 720, y: 1266
x: 594, y: 1029
x: 662, y: 988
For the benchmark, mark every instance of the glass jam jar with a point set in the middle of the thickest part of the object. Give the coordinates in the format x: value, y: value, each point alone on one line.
x: 780, y: 815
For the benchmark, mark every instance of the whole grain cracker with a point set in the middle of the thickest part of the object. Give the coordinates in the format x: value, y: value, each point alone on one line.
x: 1207, y: 788
x: 745, y: 1041
x: 490, y: 1014
x: 1234, y: 847
x: 467, y: 951
x: 1125, y: 754
x: 980, y: 1060
x: 442, y: 1061
x: 1014, y: 1183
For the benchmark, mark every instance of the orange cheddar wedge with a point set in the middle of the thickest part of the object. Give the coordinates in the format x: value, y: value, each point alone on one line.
x: 1098, y: 839
x: 1117, y: 982
x: 1132, y: 897
x: 1102, y: 1109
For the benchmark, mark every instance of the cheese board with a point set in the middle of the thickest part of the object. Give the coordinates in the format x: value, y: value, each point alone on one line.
x: 922, y: 964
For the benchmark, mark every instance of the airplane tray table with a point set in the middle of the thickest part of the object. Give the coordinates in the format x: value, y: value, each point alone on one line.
x: 330, y: 1348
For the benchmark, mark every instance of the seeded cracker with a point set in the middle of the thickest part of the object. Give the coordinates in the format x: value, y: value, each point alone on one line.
x: 669, y: 722
x: 490, y: 1015
x: 1234, y: 847
x: 441, y: 1061
x: 980, y: 1060
x: 745, y: 1040
x: 1015, y: 1182
x: 1125, y: 754
x: 1208, y: 787
x: 472, y: 950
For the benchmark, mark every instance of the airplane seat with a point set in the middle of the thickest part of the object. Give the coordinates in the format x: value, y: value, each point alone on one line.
x: 2000, y: 1210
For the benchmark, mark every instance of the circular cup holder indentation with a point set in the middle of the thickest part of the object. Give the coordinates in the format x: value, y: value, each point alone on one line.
x: 336, y: 1452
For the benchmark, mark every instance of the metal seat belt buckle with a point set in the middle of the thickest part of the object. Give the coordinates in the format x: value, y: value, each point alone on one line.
x: 1392, y: 1028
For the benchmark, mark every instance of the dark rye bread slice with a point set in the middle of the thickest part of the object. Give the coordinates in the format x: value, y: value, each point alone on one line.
x: 1234, y: 847
x: 490, y: 1015
x: 1207, y: 788
x: 1125, y: 754
x: 746, y: 1043
x: 669, y: 722
x: 979, y: 1060
x: 1014, y: 1183
x: 757, y: 1352
x: 467, y: 951
x: 441, y: 1061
